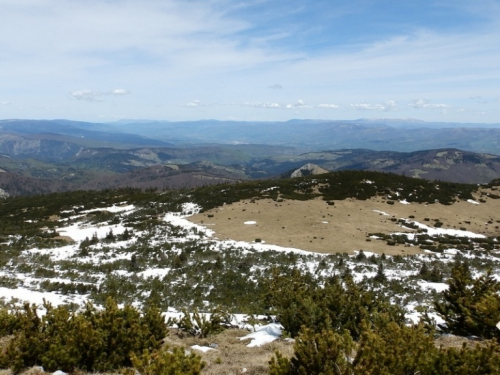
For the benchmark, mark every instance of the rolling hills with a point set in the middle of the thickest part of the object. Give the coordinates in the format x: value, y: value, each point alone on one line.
x: 39, y: 156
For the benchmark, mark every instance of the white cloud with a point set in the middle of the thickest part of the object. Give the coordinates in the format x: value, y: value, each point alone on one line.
x: 228, y: 56
x: 87, y: 95
x: 299, y: 104
x: 5, y: 103
x: 328, y: 106
x: 194, y: 103
x: 424, y: 103
x: 96, y: 96
x: 473, y: 111
x: 389, y: 105
x: 119, y: 92
x: 262, y: 105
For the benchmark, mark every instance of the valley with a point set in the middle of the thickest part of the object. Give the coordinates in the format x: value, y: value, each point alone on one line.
x: 59, y: 155
x: 224, y: 231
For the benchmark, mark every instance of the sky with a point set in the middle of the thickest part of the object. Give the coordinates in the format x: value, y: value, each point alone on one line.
x: 258, y: 60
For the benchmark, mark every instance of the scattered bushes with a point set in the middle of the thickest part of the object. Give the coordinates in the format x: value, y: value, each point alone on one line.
x: 90, y: 340
x: 297, y: 300
x: 389, y: 349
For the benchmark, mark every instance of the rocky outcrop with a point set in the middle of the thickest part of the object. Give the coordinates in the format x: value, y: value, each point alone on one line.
x: 3, y: 194
x: 307, y: 170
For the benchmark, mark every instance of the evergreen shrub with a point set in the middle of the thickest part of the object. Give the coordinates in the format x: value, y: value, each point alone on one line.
x: 470, y: 306
x: 90, y: 340
x: 166, y: 362
x: 384, y: 350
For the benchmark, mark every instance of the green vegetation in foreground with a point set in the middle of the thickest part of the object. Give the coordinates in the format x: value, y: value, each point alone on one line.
x: 344, y: 329
x: 340, y: 326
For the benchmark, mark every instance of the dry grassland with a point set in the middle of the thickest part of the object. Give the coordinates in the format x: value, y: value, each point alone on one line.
x: 232, y: 356
x: 316, y: 226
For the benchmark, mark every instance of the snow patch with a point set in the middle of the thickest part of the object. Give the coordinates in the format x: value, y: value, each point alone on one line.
x: 203, y: 349
x: 264, y: 334
x: 382, y: 212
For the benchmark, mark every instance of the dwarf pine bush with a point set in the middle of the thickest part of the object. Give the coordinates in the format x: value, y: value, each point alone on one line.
x: 470, y: 306
x: 90, y: 340
x: 389, y: 349
x: 340, y: 304
x: 166, y: 362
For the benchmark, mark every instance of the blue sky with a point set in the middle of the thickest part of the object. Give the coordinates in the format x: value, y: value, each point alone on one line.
x: 103, y: 60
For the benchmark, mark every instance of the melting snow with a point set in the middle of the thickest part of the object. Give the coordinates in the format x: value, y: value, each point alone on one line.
x: 113, y: 209
x: 203, y: 349
x: 264, y: 334
x: 442, y: 231
x: 382, y: 212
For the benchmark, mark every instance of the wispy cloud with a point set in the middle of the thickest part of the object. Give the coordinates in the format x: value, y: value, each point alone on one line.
x: 299, y: 104
x: 473, y: 111
x: 119, y: 92
x: 96, y: 96
x: 87, y: 95
x: 262, y: 105
x: 242, y: 52
x: 327, y: 106
x: 424, y: 103
x: 389, y: 105
x: 194, y: 103
x: 5, y: 103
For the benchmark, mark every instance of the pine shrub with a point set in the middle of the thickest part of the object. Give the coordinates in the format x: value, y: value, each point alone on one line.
x: 166, y: 362
x: 341, y: 304
x: 89, y: 340
x: 470, y: 306
x: 389, y: 349
x: 315, y: 354
x: 199, y: 325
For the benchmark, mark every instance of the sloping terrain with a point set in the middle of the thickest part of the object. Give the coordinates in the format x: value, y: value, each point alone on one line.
x: 15, y: 134
x: 220, y: 246
x: 324, y: 213
x: 444, y: 164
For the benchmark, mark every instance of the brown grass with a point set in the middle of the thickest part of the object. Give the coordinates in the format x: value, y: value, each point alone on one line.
x: 315, y: 226
x: 452, y: 341
x: 232, y: 356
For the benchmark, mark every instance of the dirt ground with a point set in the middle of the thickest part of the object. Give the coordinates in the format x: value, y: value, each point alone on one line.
x: 232, y: 356
x: 343, y: 227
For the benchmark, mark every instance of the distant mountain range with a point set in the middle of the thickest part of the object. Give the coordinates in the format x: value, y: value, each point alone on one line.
x: 312, y: 135
x: 58, y: 155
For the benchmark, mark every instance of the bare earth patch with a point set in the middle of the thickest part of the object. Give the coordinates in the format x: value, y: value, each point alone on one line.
x: 343, y: 227
x: 232, y: 356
